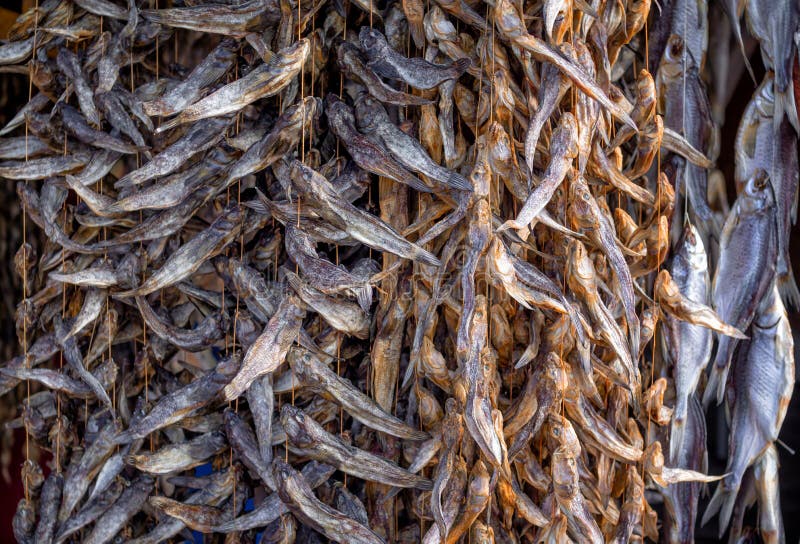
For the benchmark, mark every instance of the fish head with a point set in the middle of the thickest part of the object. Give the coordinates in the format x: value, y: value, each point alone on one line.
x: 499, y: 143
x: 438, y: 26
x: 429, y: 409
x: 347, y: 53
x: 307, y: 111
x: 645, y: 91
x: 580, y: 201
x: 580, y: 266
x: 692, y: 250
x: 369, y: 112
x: 758, y: 195
x: 564, y: 471
x: 764, y: 98
x: 507, y: 18
x: 293, y: 421
x: 500, y: 260
x: 634, y: 487
x: 481, y: 175
x: 555, y: 373
x: 672, y: 63
x: 565, y: 137
x: 334, y: 107
x: 654, y: 458
x: 561, y: 434
x: 372, y: 41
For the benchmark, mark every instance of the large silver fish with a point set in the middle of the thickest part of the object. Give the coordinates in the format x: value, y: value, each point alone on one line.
x: 748, y: 252
x: 758, y: 396
x: 687, y: 346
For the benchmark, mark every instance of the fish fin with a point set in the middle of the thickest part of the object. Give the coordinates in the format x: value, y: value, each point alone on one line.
x: 425, y: 256
x: 727, y: 510
x: 526, y: 357
x: 737, y: 32
x: 677, y: 429
x: 586, y: 8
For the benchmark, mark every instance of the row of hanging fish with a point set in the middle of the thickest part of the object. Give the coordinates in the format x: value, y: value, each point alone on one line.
x: 399, y: 271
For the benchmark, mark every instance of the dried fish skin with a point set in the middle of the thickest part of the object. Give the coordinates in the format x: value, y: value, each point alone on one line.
x: 193, y: 254
x: 200, y: 137
x: 758, y: 398
x: 213, y: 67
x: 237, y: 20
x: 362, y: 226
x: 181, y: 403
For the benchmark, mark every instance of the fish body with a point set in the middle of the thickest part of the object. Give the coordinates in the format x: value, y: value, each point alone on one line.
x: 264, y: 81
x: 417, y: 72
x: 688, y: 346
x: 271, y: 347
x: 308, y: 438
x: 750, y: 233
x: 686, y: 110
x: 299, y: 498
x: 373, y: 120
x: 681, y: 499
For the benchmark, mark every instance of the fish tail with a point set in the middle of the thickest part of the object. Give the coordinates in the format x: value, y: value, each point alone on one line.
x: 715, y: 388
x: 785, y: 105
x: 424, y: 256
x: 723, y: 501
x: 706, y: 223
x: 587, y: 385
x: 125, y: 437
x: 364, y: 297
x: 460, y: 66
x: 634, y: 338
x: 719, y: 371
x: 787, y: 287
x: 525, y: 358
x: 231, y: 392
x: 715, y: 504
x: 459, y: 182
x: 172, y: 123
x: 737, y: 31
x: 677, y: 428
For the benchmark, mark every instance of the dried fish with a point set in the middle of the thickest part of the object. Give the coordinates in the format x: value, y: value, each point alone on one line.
x: 277, y: 240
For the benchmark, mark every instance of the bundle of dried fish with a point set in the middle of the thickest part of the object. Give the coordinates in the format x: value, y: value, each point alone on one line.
x: 396, y: 272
